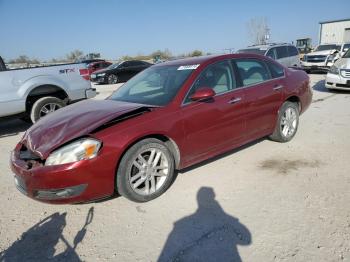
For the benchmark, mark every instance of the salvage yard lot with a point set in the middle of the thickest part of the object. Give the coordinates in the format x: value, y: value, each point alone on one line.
x: 264, y: 202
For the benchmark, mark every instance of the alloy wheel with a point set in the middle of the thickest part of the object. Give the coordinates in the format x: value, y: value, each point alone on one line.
x: 149, y: 171
x: 49, y: 108
x: 289, y: 122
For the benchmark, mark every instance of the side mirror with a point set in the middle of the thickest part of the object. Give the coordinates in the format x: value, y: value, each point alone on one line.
x: 203, y: 93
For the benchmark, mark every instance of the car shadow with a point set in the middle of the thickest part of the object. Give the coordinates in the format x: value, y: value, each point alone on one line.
x: 228, y: 153
x: 12, y: 127
x: 38, y: 243
x: 209, y: 234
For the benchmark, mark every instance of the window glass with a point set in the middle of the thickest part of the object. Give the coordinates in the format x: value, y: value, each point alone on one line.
x: 153, y: 86
x: 292, y: 51
x: 217, y: 76
x: 272, y: 53
x: 252, y: 71
x: 276, y: 70
x: 282, y: 52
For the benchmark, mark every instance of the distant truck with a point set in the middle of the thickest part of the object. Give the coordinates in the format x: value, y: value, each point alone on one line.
x: 32, y: 93
x: 322, y: 58
x: 304, y: 46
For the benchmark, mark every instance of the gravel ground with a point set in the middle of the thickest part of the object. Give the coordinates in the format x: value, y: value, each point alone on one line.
x: 264, y: 202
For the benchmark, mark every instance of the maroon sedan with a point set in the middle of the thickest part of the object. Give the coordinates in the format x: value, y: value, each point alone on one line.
x: 170, y: 116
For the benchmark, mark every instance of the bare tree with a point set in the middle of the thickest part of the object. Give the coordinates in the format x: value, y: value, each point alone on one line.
x: 74, y: 55
x: 258, y: 30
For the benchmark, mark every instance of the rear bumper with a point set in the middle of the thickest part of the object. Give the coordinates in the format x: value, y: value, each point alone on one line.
x: 90, y: 93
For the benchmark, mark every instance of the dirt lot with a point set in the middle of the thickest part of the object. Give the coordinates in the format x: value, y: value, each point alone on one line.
x: 264, y: 202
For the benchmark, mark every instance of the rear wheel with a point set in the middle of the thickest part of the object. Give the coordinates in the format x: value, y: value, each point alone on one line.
x: 45, y: 106
x: 112, y: 79
x: 287, y: 123
x: 146, y: 171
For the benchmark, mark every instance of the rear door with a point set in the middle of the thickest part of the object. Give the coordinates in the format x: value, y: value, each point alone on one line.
x: 282, y: 55
x: 213, y: 125
x: 293, y: 53
x: 263, y: 95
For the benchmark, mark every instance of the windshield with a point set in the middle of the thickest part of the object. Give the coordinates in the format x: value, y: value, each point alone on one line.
x: 346, y: 47
x: 326, y: 47
x: 347, y: 54
x: 252, y: 51
x: 154, y: 86
x: 112, y: 66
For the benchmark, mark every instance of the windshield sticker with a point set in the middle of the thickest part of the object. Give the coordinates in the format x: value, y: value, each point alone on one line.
x: 188, y: 67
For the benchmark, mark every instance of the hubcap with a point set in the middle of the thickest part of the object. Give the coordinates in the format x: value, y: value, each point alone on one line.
x: 112, y: 79
x: 289, y: 122
x: 49, y: 108
x: 148, y: 171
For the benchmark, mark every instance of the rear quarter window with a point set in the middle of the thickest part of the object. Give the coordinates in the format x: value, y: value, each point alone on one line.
x: 292, y: 51
x: 282, y: 52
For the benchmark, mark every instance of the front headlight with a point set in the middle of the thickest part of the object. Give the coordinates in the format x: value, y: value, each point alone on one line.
x: 330, y: 58
x: 82, y: 149
x: 102, y: 74
x: 334, y: 70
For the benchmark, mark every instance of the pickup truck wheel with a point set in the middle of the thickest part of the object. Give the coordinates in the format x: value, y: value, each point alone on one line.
x: 287, y: 123
x: 45, y: 106
x: 112, y: 79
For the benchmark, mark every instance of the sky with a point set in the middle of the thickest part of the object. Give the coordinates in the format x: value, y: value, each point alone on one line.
x: 46, y: 29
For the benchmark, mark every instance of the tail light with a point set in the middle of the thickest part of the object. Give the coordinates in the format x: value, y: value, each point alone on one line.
x: 84, y: 73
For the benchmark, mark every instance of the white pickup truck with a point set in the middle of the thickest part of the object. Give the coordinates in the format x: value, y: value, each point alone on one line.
x: 32, y: 93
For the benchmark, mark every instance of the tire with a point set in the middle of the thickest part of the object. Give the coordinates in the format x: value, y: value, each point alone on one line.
x: 132, y: 179
x: 287, y: 122
x: 112, y: 79
x: 45, y: 106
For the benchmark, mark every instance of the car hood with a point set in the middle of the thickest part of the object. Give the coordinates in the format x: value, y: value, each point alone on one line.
x: 325, y: 52
x: 343, y: 63
x: 72, y: 122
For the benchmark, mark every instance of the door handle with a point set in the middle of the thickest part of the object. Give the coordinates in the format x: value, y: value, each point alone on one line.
x: 234, y: 100
x: 278, y: 87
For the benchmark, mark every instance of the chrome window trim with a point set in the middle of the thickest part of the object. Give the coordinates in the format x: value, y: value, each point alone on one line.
x: 237, y: 88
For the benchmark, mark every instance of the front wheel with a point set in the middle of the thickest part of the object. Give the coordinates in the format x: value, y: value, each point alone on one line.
x: 112, y: 79
x: 287, y: 123
x: 146, y: 171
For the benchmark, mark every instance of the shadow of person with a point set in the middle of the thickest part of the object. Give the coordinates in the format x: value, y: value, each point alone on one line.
x: 38, y: 243
x: 208, y: 235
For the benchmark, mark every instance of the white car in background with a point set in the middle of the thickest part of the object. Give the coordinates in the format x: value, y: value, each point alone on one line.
x: 322, y: 58
x: 338, y: 76
x: 286, y: 54
x: 344, y: 47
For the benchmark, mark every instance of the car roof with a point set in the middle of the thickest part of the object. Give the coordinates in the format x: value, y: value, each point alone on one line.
x: 267, y: 46
x: 206, y: 59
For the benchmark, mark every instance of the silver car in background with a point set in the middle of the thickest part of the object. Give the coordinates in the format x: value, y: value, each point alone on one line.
x: 286, y: 54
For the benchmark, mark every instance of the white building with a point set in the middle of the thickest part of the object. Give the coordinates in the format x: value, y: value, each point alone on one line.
x: 336, y: 31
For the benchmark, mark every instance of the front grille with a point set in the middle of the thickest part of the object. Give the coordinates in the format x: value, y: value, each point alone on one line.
x: 315, y: 58
x: 30, y: 157
x: 345, y: 73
